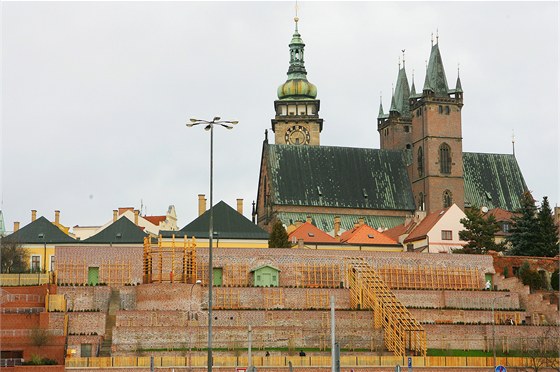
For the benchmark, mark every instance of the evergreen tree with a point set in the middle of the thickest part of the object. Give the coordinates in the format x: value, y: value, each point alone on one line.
x: 548, y: 246
x: 278, y: 236
x: 525, y: 232
x: 479, y: 233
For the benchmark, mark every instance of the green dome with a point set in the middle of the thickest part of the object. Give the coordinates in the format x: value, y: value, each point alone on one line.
x: 297, y: 88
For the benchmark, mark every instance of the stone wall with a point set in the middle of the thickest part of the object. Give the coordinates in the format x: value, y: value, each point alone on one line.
x: 164, y: 329
x: 86, y: 298
x: 459, y: 299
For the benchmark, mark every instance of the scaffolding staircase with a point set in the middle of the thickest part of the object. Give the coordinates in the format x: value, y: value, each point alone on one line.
x: 367, y: 291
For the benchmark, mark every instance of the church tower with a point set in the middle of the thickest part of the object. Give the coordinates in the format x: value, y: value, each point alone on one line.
x: 436, y: 171
x: 395, y: 128
x: 297, y: 119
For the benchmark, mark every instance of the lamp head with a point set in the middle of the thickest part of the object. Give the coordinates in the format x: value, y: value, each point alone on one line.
x: 190, y: 125
x: 194, y: 120
x: 216, y: 118
x: 234, y: 122
x: 208, y: 127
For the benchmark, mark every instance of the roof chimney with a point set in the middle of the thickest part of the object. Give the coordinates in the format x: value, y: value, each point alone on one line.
x: 16, y: 226
x: 115, y: 215
x: 33, y: 215
x: 361, y: 221
x: 136, y: 212
x: 308, y: 220
x: 240, y: 206
x: 336, y: 226
x: 201, y: 204
x: 57, y: 218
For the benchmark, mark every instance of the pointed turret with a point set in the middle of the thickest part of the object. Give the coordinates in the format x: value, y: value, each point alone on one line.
x: 393, y: 107
x: 435, y: 74
x: 413, y: 87
x: 458, y: 87
x: 381, y: 113
x: 402, y: 93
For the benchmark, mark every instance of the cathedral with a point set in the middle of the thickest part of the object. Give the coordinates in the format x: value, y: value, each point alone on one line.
x: 421, y: 165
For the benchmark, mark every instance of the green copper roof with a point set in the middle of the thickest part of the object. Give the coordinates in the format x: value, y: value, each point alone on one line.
x: 325, y: 221
x: 122, y: 231
x: 436, y: 80
x: 227, y: 222
x: 493, y: 181
x: 402, y: 94
x: 342, y: 177
x: 297, y: 86
x: 40, y: 231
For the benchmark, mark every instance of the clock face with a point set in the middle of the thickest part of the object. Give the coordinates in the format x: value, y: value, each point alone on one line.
x: 297, y: 135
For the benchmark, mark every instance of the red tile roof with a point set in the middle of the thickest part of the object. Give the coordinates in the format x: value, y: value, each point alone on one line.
x: 155, y: 219
x: 311, y: 234
x: 366, y: 235
x: 395, y: 232
x: 422, y: 229
x: 500, y: 214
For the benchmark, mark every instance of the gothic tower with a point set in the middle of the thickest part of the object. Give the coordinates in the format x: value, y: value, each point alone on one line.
x: 297, y: 119
x: 395, y: 128
x: 436, y: 171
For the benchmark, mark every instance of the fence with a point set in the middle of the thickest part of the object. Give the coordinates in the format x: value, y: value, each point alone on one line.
x: 15, y: 280
x: 308, y: 361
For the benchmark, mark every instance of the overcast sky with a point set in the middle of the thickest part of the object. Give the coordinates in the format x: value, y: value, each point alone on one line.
x: 95, y: 95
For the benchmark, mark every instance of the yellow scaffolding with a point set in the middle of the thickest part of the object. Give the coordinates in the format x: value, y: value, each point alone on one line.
x: 429, y: 277
x: 319, y: 275
x: 367, y: 291
x: 170, y: 261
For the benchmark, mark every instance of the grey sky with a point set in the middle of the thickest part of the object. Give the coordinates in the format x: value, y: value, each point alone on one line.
x: 95, y: 95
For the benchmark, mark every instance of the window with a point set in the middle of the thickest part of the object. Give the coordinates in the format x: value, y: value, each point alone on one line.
x: 420, y: 162
x: 447, y: 110
x: 421, y: 201
x: 447, y: 199
x: 85, y: 350
x: 505, y: 227
x: 35, y: 263
x: 52, y: 263
x: 446, y: 235
x: 445, y: 158
x: 440, y: 109
x: 406, y: 128
x: 408, y: 146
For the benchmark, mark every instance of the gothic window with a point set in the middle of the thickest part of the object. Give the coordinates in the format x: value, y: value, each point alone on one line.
x: 445, y: 159
x: 420, y: 162
x: 447, y: 199
x: 421, y: 201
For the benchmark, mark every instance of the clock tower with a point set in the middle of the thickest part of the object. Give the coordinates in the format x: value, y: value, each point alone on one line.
x: 297, y: 119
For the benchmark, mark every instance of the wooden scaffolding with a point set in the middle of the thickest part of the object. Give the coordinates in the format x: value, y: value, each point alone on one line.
x: 319, y: 275
x: 170, y: 260
x: 367, y: 291
x: 429, y: 277
x: 75, y: 271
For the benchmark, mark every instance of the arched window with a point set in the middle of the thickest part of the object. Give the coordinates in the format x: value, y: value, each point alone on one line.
x: 447, y: 199
x: 445, y: 158
x: 421, y: 202
x: 420, y: 162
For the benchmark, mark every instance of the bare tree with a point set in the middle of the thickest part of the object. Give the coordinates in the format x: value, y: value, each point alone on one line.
x: 40, y: 337
x: 544, y: 351
x: 13, y: 257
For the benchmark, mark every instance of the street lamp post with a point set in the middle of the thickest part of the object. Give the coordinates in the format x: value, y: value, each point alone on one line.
x: 494, y: 328
x: 209, y: 126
